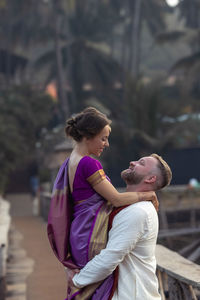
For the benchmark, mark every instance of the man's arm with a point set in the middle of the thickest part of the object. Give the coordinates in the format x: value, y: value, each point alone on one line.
x: 127, y: 228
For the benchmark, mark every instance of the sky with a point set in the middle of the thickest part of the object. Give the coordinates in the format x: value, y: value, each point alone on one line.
x: 172, y: 2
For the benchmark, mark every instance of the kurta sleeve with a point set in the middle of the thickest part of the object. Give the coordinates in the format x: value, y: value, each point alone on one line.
x: 127, y: 228
x: 93, y: 171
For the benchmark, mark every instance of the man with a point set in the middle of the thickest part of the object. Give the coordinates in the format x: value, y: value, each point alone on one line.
x: 132, y: 238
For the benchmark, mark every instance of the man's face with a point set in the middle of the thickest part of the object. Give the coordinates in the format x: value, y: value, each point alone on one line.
x: 139, y: 170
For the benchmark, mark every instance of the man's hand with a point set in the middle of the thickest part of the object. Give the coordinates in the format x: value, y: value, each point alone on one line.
x: 70, y: 274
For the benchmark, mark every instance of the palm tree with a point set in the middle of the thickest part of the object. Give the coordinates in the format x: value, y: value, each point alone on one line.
x: 136, y: 13
x: 190, y: 10
x: 18, y: 28
x: 84, y: 53
x: 61, y: 78
x: 187, y: 68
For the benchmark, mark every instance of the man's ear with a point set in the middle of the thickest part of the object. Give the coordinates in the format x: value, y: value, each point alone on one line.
x: 151, y: 179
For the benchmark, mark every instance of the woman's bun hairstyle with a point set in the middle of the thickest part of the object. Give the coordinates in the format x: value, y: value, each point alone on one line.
x: 87, y: 123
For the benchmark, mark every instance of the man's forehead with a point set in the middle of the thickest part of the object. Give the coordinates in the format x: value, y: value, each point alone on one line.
x: 149, y: 159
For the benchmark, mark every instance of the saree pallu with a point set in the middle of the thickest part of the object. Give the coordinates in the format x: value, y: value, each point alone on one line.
x: 77, y: 232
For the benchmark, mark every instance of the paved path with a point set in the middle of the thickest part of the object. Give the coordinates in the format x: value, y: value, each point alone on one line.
x: 47, y: 281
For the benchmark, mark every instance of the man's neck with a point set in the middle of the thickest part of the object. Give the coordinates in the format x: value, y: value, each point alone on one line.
x: 137, y: 188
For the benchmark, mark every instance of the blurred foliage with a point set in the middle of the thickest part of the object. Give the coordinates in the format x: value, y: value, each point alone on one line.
x: 186, y: 68
x: 24, y: 111
x: 155, y: 119
x: 136, y: 60
x: 44, y: 175
x: 190, y: 10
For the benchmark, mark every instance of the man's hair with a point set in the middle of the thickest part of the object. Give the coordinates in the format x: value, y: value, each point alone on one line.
x: 165, y: 171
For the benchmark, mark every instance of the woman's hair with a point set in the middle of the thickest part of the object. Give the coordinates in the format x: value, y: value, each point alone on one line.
x: 87, y: 123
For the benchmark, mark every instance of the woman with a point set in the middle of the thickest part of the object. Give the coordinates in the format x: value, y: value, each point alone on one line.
x: 84, y: 196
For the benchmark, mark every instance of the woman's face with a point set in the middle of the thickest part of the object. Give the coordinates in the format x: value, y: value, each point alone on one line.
x: 97, y: 144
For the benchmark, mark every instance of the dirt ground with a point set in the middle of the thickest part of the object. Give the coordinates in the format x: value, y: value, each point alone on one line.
x: 48, y: 279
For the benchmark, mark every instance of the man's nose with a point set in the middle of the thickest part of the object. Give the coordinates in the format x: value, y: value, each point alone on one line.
x: 132, y: 163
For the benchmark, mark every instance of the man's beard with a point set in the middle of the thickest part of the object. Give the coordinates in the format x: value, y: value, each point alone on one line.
x: 131, y: 177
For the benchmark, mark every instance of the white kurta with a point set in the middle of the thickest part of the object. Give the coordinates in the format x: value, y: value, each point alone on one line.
x: 131, y: 245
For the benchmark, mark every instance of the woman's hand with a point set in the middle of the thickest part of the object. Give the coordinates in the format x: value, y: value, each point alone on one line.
x: 155, y: 202
x: 149, y: 196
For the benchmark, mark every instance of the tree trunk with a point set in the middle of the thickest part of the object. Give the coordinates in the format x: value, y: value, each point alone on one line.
x: 136, y: 37
x: 61, y: 78
x: 134, y: 57
x: 69, y: 66
x: 8, y: 50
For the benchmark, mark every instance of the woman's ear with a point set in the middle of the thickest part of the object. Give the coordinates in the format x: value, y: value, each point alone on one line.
x: 151, y: 179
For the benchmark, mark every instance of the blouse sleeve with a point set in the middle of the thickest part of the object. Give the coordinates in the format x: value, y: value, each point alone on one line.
x: 93, y: 171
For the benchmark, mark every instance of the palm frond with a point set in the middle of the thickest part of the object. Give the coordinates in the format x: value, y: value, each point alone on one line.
x: 153, y: 13
x: 169, y: 37
x: 186, y: 62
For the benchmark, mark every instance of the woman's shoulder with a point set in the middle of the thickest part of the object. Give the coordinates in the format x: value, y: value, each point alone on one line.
x: 88, y: 166
x: 90, y: 161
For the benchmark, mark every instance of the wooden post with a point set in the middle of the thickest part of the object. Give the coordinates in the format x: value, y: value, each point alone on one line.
x: 191, y: 193
x: 195, y: 254
x: 178, y: 290
x: 164, y: 221
x: 162, y: 292
x: 187, y: 249
x: 194, y: 297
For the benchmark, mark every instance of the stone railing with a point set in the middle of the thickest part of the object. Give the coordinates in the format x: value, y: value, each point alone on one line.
x: 179, y: 278
x: 5, y: 221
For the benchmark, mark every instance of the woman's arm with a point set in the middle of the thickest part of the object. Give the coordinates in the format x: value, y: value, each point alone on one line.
x: 108, y: 191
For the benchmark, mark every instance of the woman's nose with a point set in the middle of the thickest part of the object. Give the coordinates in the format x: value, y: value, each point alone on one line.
x: 107, y: 144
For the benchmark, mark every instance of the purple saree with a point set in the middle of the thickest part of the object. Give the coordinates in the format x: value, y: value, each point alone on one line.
x: 78, y: 226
